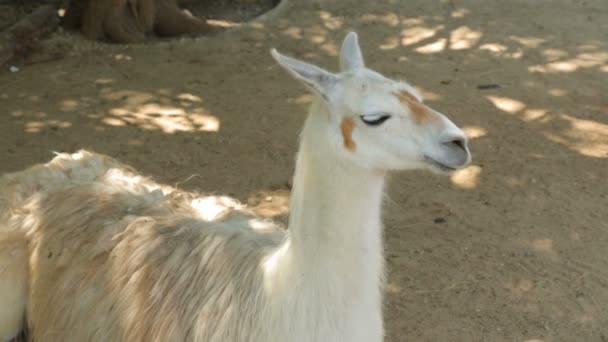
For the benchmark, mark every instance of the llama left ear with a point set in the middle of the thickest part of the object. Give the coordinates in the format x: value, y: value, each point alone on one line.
x: 351, y: 57
x: 319, y: 80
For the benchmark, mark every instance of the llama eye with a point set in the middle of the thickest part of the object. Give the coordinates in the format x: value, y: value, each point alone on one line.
x: 375, y: 119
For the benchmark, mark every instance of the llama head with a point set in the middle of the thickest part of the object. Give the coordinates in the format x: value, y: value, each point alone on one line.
x: 377, y: 122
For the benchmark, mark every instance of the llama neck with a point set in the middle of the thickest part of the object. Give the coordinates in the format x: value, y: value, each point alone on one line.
x: 335, y: 205
x: 327, y: 276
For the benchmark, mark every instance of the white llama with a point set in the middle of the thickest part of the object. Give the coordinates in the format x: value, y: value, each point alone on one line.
x: 91, y: 251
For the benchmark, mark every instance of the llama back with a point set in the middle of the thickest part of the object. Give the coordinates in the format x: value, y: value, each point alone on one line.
x: 114, y: 256
x: 149, y: 276
x: 17, y: 188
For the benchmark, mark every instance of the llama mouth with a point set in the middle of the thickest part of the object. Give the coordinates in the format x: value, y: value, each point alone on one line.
x: 439, y: 165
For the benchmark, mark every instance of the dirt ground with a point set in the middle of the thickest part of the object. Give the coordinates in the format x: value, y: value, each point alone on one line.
x: 511, y: 249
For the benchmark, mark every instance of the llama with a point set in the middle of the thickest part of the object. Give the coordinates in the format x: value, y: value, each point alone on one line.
x: 93, y: 251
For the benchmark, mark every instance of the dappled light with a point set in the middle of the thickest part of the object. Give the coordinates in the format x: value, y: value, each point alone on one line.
x: 533, y: 114
x: 262, y: 225
x: 428, y: 95
x: 584, y: 136
x: 189, y: 97
x: 119, y: 177
x: 393, y: 289
x: 158, y: 110
x: 38, y: 126
x: 166, y: 118
x: 467, y: 178
x: 331, y: 21
x: 582, y: 60
x: 474, y: 132
x: 182, y: 113
x: 435, y: 47
x: 389, y: 43
x: 529, y: 42
x: 464, y: 38
x: 506, y: 104
x: 542, y: 245
x: 493, y: 47
x: 417, y: 34
x: 317, y: 35
x: 213, y: 208
x: 459, y: 13
x: 69, y: 105
x: 38, y: 121
x: 269, y: 203
x: 553, y: 54
x: 103, y: 81
x: 223, y: 23
x: 587, y: 137
x: 557, y: 92
x: 122, y: 57
x: 305, y: 99
x: 390, y: 19
x: 293, y: 32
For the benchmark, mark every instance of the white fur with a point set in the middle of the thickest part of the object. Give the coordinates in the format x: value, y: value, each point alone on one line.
x: 105, y: 254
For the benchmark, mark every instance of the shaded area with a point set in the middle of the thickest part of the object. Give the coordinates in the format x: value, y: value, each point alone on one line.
x: 120, y: 21
x: 132, y: 21
x: 512, y: 248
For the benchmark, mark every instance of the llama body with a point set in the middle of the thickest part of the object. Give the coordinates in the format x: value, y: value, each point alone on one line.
x: 100, y: 253
x: 113, y: 257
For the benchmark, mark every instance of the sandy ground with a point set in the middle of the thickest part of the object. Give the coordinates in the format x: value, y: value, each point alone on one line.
x: 511, y: 249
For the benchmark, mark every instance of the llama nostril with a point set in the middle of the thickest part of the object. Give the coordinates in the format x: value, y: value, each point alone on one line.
x: 458, y: 142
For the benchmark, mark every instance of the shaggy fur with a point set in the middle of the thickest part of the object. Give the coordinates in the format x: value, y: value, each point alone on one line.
x: 93, y: 251
x: 117, y: 257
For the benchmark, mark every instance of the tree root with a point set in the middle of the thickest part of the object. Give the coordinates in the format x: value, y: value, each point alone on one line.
x: 23, y: 38
x: 131, y: 21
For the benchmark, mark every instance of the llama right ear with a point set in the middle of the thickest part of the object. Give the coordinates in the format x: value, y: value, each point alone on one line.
x: 351, y: 57
x: 317, y: 79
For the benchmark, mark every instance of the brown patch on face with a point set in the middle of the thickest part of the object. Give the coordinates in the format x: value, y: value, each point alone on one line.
x: 347, y: 126
x: 421, y: 113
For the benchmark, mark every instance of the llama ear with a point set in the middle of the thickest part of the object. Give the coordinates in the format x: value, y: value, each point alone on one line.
x: 351, y: 57
x: 317, y: 79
